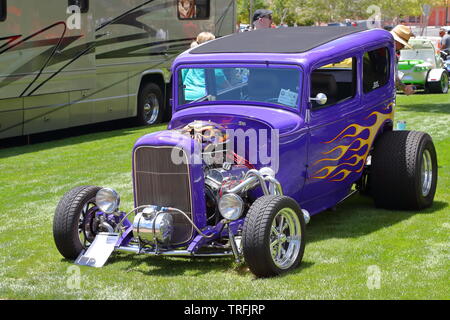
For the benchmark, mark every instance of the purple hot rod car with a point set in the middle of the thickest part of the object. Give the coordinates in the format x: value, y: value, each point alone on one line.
x: 269, y: 127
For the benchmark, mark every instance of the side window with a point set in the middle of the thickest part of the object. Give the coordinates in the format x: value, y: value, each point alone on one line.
x: 193, y: 9
x: 375, y: 69
x: 3, y: 10
x: 83, y: 4
x: 194, y: 84
x: 337, y: 81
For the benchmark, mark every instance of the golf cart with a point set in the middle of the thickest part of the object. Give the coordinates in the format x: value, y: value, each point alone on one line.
x: 422, y: 67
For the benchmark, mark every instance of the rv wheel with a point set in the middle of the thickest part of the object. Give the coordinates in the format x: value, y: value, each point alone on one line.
x: 404, y: 170
x: 151, y: 105
x: 273, y: 236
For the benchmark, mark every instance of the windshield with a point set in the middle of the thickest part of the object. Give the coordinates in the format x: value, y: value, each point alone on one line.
x: 418, y: 54
x: 279, y: 86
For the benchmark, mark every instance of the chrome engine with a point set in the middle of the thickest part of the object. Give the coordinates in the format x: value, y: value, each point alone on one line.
x: 229, y: 174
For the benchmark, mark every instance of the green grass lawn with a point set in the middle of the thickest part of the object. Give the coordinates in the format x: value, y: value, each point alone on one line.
x: 345, y: 248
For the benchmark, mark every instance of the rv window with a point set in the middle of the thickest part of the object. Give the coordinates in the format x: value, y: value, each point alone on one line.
x: 193, y: 9
x: 2, y: 10
x: 83, y: 4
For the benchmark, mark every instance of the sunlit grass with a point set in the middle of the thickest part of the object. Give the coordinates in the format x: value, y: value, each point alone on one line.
x: 410, y: 249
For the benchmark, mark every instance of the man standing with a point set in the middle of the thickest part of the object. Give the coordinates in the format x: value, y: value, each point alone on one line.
x: 401, y: 35
x: 262, y: 19
x: 445, y: 42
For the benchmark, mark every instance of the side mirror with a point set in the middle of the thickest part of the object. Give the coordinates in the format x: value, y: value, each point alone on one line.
x: 320, y: 99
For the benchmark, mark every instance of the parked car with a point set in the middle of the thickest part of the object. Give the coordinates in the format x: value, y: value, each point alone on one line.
x: 244, y: 27
x: 423, y: 67
x: 263, y: 136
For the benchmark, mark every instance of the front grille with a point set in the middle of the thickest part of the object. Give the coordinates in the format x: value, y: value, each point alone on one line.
x: 159, y: 181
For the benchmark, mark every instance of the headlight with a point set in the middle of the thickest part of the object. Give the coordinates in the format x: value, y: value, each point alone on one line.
x: 107, y: 200
x: 231, y: 206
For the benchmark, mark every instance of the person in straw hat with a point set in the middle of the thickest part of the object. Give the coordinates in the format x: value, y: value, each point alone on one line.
x: 401, y: 35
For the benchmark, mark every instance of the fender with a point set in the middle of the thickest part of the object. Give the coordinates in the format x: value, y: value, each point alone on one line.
x: 435, y: 75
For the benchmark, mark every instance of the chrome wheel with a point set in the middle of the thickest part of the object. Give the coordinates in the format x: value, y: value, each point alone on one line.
x: 151, y: 108
x: 285, y: 238
x: 426, y: 173
x: 87, y: 224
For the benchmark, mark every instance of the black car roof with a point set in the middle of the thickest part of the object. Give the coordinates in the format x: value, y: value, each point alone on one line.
x: 280, y: 40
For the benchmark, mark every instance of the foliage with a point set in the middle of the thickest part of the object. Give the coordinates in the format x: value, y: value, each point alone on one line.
x: 307, y: 12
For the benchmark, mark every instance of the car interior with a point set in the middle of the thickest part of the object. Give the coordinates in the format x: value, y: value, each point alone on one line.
x: 336, y: 81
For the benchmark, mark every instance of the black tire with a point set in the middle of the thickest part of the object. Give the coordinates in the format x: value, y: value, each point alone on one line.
x: 257, y: 235
x: 150, y: 105
x: 440, y: 86
x: 396, y: 172
x: 66, y: 222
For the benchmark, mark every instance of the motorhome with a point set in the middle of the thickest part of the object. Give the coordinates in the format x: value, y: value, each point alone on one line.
x: 68, y: 63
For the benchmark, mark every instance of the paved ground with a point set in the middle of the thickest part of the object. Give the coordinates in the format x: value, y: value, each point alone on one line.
x: 430, y: 31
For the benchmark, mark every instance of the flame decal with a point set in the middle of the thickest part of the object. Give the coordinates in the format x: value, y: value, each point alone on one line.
x: 349, y: 158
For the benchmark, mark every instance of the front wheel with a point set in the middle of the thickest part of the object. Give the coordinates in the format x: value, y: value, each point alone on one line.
x: 75, y: 225
x: 273, y: 236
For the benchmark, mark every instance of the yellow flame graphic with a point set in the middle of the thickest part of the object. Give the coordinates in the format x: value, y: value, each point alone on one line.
x: 353, y: 160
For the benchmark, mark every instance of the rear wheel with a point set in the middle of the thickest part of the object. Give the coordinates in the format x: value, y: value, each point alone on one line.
x: 75, y: 225
x: 440, y: 86
x: 150, y: 105
x: 273, y: 236
x: 404, y: 170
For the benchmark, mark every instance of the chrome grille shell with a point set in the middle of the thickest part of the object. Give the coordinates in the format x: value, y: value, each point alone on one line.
x: 159, y: 181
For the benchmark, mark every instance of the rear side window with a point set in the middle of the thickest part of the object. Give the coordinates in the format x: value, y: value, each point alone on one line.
x: 82, y: 4
x: 337, y: 81
x: 375, y: 69
x: 193, y: 9
x: 2, y: 10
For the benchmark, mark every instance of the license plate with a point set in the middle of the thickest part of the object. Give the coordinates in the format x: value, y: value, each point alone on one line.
x: 99, y: 251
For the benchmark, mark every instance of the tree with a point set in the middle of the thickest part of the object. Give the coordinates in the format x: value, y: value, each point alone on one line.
x: 243, y: 9
x: 307, y: 12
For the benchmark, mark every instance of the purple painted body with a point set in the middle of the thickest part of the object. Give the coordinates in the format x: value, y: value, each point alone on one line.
x: 322, y: 152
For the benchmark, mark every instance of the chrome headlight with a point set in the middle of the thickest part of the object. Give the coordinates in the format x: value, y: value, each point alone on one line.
x: 107, y: 200
x: 231, y: 206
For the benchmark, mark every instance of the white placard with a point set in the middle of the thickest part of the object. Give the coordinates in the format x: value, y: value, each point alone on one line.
x: 99, y: 251
x: 288, y: 97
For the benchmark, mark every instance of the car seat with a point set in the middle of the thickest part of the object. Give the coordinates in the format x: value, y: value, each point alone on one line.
x: 323, y: 83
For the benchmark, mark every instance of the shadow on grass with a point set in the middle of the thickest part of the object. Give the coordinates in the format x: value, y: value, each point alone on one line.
x: 72, y: 136
x: 171, y: 267
x: 429, y: 103
x: 358, y: 217
x: 192, y: 266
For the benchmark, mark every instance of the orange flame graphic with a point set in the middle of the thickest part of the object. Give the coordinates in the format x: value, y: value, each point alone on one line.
x: 353, y: 160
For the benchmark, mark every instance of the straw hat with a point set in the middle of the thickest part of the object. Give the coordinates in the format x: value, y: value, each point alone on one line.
x: 402, y: 34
